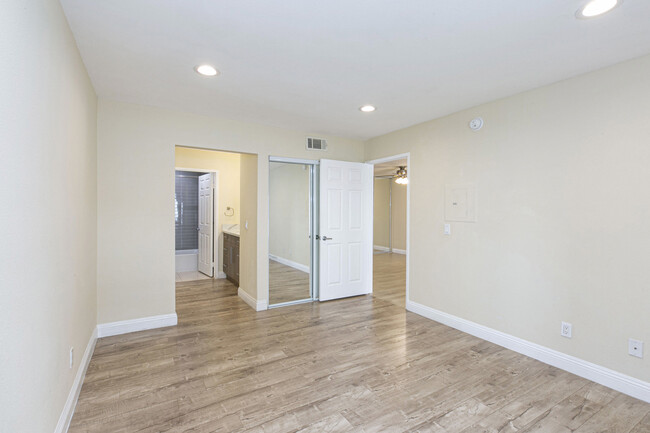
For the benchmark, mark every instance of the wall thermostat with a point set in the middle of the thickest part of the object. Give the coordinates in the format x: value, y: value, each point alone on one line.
x: 476, y: 124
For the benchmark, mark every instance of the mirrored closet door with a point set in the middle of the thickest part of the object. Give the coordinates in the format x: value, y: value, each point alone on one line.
x: 291, y: 223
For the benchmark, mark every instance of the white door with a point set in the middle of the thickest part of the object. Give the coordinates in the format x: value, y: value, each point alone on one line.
x: 206, y: 232
x: 346, y: 190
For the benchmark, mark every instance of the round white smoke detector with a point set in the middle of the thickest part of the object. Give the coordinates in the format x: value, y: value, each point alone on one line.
x: 476, y: 124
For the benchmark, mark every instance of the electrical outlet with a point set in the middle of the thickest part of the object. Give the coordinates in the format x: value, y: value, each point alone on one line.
x: 635, y: 348
x: 71, y: 357
x: 566, y: 330
x: 447, y: 229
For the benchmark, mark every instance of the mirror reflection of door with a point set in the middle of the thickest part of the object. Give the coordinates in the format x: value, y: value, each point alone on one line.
x: 289, y: 232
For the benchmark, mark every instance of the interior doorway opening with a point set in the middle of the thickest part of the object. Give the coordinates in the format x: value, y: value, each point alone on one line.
x: 207, y: 204
x: 390, y: 228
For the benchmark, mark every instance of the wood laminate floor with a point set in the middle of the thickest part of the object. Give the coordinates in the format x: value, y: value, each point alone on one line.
x: 287, y: 284
x: 190, y: 276
x: 389, y: 278
x: 354, y: 365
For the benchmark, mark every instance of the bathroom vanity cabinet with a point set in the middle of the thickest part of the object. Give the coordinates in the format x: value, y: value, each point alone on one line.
x: 231, y: 258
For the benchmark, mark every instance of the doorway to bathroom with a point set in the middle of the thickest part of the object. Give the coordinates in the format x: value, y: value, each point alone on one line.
x: 207, y: 212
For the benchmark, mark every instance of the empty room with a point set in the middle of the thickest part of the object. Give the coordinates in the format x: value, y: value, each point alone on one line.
x: 334, y: 216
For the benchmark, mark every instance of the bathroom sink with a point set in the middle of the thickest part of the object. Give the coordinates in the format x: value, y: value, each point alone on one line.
x: 231, y: 229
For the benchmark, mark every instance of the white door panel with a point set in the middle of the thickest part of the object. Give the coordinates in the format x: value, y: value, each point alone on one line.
x: 345, y: 229
x: 206, y: 228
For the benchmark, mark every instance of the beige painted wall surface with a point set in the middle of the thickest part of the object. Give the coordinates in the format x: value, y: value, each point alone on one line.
x: 289, y: 212
x: 48, y: 219
x: 227, y: 165
x: 562, y: 175
x: 248, y: 257
x: 135, y: 225
x: 381, y: 212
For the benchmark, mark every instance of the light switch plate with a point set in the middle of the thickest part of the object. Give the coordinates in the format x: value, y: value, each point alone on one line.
x: 447, y: 229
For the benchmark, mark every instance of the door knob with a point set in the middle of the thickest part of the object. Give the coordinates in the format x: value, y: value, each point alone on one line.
x: 325, y: 238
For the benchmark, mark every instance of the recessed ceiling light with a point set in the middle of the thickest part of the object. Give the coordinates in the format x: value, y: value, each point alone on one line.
x: 207, y: 70
x: 597, y: 7
x: 367, y: 108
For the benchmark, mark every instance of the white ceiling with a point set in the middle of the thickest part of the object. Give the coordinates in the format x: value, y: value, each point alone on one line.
x: 309, y: 65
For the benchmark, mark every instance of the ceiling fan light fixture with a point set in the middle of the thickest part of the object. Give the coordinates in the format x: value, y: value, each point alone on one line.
x: 401, y: 176
x: 402, y: 180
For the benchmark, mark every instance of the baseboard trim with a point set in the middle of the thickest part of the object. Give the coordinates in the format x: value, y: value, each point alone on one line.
x: 134, y: 325
x: 596, y: 373
x: 289, y: 263
x: 70, y: 404
x: 252, y: 302
x: 386, y: 249
x: 221, y: 274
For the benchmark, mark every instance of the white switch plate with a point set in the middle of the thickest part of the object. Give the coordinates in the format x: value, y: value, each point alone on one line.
x: 71, y: 357
x: 566, y: 330
x: 447, y: 229
x: 635, y: 348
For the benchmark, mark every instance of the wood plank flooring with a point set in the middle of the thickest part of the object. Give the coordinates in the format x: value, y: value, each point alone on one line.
x: 389, y: 278
x: 287, y: 284
x: 354, y: 365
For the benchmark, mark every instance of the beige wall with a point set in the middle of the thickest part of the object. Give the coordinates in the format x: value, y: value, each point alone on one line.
x: 381, y: 212
x: 250, y: 231
x: 48, y: 217
x: 227, y: 166
x: 562, y: 175
x: 289, y: 212
x: 135, y: 225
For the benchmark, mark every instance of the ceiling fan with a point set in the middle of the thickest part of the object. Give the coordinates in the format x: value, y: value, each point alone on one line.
x: 401, y: 176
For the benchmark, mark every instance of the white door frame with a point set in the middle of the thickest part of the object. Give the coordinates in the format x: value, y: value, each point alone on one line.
x: 406, y: 155
x: 217, y: 273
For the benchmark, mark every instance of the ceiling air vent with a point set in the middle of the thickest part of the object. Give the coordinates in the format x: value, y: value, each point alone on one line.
x: 316, y: 143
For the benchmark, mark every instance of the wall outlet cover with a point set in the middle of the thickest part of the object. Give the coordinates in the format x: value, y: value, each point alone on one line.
x: 635, y: 348
x: 566, y: 330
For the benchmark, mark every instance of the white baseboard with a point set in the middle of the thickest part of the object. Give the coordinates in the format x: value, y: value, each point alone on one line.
x: 602, y: 375
x: 289, y: 263
x: 221, y: 274
x: 134, y: 325
x: 254, y: 303
x: 70, y: 404
x: 395, y: 250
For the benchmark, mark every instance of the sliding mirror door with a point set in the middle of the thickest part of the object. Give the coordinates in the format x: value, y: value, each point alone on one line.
x: 291, y: 189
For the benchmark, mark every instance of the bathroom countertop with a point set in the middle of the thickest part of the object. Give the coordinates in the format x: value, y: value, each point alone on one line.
x: 231, y: 229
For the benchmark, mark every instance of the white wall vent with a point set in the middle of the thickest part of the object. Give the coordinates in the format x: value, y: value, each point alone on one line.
x: 316, y: 143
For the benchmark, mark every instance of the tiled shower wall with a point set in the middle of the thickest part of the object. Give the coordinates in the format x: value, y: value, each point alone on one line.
x: 187, y: 210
